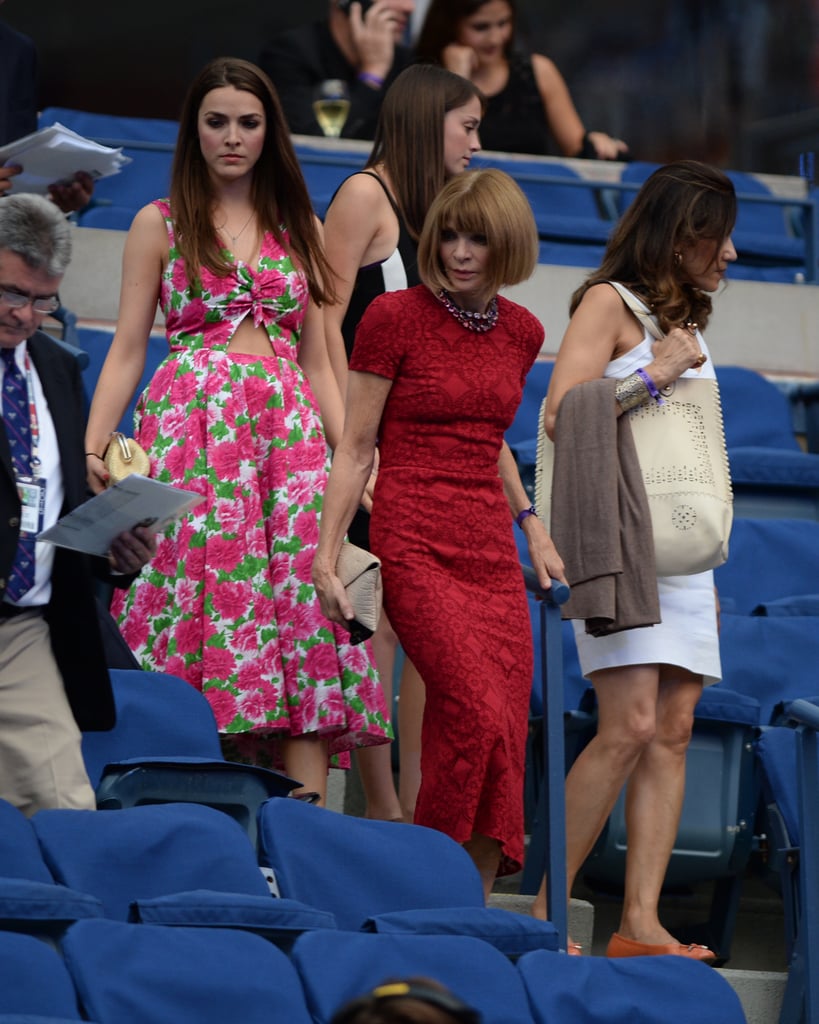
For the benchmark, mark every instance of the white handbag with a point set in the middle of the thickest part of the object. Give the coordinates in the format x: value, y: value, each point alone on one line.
x: 681, y: 450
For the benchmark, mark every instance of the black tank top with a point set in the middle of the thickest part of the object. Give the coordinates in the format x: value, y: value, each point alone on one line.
x: 515, y: 121
x: 400, y: 270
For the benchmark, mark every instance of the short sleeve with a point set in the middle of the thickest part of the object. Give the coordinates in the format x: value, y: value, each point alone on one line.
x: 379, y: 340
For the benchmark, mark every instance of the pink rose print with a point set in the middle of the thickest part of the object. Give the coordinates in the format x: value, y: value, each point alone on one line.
x: 161, y: 381
x: 224, y: 554
x: 220, y: 424
x: 225, y: 459
x: 306, y: 526
x: 302, y: 565
x: 188, y: 636
x: 321, y: 661
x: 218, y: 664
x: 150, y: 600
x: 230, y: 600
x: 223, y: 705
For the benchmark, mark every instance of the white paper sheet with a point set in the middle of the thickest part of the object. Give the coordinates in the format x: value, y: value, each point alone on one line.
x: 57, y: 153
x: 134, y: 501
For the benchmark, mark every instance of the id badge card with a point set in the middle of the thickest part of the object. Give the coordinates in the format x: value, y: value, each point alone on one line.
x: 32, y: 491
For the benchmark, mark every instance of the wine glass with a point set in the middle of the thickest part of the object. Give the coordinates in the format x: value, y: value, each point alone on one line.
x: 331, y: 104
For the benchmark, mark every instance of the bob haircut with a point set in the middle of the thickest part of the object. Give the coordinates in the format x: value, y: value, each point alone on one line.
x: 278, y: 193
x: 441, y: 25
x: 489, y: 203
x: 409, y: 137
x: 679, y: 205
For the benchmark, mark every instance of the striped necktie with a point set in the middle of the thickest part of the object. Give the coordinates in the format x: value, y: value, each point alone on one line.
x: 17, y: 421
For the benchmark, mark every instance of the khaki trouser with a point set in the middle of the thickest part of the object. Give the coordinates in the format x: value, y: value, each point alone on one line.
x: 41, y: 763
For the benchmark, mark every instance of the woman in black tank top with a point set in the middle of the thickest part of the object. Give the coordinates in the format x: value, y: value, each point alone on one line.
x: 427, y: 132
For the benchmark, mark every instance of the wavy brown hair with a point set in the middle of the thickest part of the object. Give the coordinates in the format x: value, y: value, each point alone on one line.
x: 409, y: 137
x: 680, y: 204
x: 441, y: 25
x: 278, y: 192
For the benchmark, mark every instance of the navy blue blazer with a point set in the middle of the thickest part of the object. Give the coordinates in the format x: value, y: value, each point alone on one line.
x: 72, y: 611
x: 18, y: 85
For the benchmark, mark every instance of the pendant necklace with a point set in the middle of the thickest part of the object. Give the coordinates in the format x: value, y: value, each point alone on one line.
x: 471, y: 321
x: 235, y: 238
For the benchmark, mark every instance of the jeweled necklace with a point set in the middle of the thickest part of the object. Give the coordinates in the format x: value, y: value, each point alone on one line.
x: 235, y: 238
x: 471, y: 321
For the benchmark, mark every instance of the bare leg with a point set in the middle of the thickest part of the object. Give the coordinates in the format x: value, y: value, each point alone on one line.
x: 626, y: 699
x: 653, y: 805
x: 375, y: 763
x: 411, y: 701
x: 486, y: 853
x: 306, y: 759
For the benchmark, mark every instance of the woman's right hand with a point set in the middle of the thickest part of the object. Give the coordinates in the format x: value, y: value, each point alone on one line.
x: 461, y: 60
x: 96, y: 472
x: 677, y: 352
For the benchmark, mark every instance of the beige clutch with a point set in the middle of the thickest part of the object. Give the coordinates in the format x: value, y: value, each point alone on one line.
x: 360, y: 574
x: 124, y: 456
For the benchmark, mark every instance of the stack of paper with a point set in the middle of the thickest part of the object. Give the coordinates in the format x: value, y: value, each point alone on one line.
x: 55, y: 154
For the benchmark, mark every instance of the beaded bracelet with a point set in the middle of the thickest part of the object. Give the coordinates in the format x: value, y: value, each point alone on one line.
x: 524, y: 514
x: 630, y: 391
x: 369, y: 79
x: 649, y: 383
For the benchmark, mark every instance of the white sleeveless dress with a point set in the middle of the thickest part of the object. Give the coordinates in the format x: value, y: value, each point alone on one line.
x: 687, y: 635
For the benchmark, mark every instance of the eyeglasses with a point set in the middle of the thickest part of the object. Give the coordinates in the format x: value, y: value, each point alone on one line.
x: 17, y: 300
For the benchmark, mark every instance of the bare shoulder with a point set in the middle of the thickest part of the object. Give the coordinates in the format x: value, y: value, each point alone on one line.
x: 546, y: 71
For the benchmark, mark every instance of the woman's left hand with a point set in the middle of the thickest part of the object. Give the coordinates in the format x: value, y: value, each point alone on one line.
x: 606, y: 147
x: 545, y: 559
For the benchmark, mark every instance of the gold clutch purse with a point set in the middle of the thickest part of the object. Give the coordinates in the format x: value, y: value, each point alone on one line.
x: 124, y: 456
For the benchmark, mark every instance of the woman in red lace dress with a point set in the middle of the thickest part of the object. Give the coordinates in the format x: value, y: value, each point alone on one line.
x: 436, y: 376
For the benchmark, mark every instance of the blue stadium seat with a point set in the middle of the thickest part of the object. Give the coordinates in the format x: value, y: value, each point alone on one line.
x: 34, y: 981
x: 770, y: 474
x: 30, y: 899
x: 147, y: 758
x: 386, y: 877
x: 169, y: 864
x: 789, y: 760
x: 768, y: 559
x: 334, y: 970
x: 149, y: 975
x: 324, y: 170
x: 595, y: 990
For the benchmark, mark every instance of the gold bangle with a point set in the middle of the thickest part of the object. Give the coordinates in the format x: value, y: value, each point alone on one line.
x: 631, y: 391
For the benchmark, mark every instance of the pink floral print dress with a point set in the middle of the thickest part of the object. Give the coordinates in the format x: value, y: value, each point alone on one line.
x: 228, y: 603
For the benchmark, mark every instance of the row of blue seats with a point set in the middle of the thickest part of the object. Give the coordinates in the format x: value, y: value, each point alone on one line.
x: 776, y: 238
x: 116, y: 973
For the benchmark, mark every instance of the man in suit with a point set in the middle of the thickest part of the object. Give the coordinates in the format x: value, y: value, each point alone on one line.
x: 18, y: 115
x: 359, y: 43
x: 53, y: 677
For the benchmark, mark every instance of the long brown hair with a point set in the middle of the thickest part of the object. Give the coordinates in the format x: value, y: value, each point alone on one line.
x: 441, y: 25
x: 409, y: 137
x: 278, y: 191
x: 680, y: 204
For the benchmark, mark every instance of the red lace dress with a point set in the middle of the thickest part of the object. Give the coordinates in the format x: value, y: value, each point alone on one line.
x: 441, y: 524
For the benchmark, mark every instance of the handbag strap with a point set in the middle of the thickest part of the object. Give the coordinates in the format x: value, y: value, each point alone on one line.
x: 639, y: 309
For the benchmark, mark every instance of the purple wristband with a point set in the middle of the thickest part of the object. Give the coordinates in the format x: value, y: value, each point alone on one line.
x: 524, y: 514
x: 369, y: 79
x: 649, y: 383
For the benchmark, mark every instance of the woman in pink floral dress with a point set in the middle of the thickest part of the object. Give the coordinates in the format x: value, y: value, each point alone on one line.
x: 235, y: 413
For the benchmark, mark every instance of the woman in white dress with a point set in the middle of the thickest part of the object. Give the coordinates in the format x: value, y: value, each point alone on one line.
x: 671, y: 248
